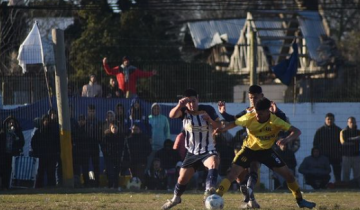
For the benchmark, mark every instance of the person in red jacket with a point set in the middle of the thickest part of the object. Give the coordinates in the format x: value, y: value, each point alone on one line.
x: 127, y: 75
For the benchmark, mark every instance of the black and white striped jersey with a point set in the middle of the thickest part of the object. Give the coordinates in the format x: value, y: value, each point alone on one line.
x: 198, y: 132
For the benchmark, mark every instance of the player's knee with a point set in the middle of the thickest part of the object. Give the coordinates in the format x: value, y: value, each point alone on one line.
x: 254, y: 174
x: 233, y: 174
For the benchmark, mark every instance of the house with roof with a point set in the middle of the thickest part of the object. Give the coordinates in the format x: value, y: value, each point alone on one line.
x: 276, y: 30
x: 218, y: 38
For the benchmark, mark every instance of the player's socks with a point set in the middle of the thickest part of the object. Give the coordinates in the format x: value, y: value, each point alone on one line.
x: 211, y: 178
x: 295, y: 190
x: 179, y: 190
x: 251, y: 184
x: 223, y: 187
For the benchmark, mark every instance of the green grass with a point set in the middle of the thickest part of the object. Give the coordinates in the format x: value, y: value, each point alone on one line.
x: 80, y: 199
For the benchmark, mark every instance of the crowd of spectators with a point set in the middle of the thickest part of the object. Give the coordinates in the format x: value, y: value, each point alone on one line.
x: 133, y: 143
x: 129, y: 142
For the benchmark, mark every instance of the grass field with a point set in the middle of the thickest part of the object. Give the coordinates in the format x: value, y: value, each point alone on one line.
x: 40, y: 199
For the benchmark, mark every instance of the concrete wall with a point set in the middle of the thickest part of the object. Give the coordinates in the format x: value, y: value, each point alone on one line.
x: 274, y: 92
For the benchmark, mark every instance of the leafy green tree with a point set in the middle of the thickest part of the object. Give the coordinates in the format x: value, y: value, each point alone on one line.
x: 12, y: 32
x: 342, y: 16
x: 96, y: 26
x: 142, y: 35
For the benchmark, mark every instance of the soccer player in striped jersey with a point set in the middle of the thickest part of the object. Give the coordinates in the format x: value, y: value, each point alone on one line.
x: 199, y: 122
x: 263, y: 128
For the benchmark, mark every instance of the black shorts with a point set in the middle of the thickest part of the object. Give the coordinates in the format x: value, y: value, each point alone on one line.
x: 196, y: 161
x: 268, y: 157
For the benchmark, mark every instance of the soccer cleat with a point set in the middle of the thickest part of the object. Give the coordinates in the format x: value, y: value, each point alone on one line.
x: 209, y: 192
x: 169, y: 204
x: 245, y: 192
x: 253, y: 204
x: 250, y: 205
x: 306, y: 204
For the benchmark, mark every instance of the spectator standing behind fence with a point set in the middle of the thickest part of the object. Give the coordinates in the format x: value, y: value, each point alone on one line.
x: 155, y: 177
x: 11, y: 144
x: 94, y: 132
x: 45, y: 147
x: 160, y: 130
x: 127, y: 75
x: 139, y: 148
x: 112, y: 146
x: 110, y: 118
x: 81, y: 152
x: 350, y: 150
x: 92, y: 89
x: 137, y: 116
x: 316, y: 169
x: 55, y: 130
x: 169, y: 157
x: 121, y: 120
x: 112, y: 90
x: 327, y: 139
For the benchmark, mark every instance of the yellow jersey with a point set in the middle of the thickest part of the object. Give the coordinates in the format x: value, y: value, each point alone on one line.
x: 261, y: 135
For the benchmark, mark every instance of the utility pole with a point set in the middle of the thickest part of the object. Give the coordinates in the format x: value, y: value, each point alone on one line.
x: 63, y: 108
x: 252, y: 57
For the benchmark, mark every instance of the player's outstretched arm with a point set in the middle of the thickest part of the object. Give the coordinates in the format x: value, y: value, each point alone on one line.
x: 294, y: 134
x: 214, y: 123
x: 225, y: 127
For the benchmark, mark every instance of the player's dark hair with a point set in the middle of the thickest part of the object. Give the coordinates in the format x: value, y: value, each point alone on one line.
x: 255, y: 89
x: 330, y: 115
x: 190, y: 92
x: 262, y: 104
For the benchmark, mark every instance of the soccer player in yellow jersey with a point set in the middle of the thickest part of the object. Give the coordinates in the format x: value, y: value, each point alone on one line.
x: 263, y: 128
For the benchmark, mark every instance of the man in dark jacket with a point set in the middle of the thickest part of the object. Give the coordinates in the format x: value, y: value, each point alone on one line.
x: 45, y: 147
x: 169, y: 157
x: 350, y: 150
x: 11, y: 144
x: 112, y: 146
x: 327, y: 139
x: 93, y: 130
x: 55, y: 130
x: 81, y: 152
x: 316, y: 169
x: 139, y: 149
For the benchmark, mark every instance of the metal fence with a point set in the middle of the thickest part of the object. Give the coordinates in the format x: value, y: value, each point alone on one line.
x: 174, y: 77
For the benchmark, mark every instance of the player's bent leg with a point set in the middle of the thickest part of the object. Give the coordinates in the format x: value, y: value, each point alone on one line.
x: 211, y: 163
x: 294, y: 187
x: 253, y: 178
x: 226, y: 182
x: 184, y: 178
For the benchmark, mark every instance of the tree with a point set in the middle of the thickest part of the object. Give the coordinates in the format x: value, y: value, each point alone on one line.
x: 342, y: 16
x: 12, y: 31
x: 95, y: 25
